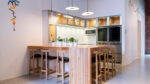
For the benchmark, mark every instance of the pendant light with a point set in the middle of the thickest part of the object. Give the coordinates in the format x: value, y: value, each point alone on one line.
x: 52, y: 18
x: 72, y: 7
x: 87, y: 13
x: 67, y: 15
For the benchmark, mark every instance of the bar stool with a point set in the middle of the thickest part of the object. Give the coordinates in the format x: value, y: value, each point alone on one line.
x: 47, y: 58
x: 97, y: 61
x: 61, y: 59
x: 112, y: 60
x: 105, y: 60
x: 109, y: 59
x: 34, y: 60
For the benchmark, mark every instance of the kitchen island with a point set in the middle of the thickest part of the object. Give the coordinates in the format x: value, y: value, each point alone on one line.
x: 80, y: 61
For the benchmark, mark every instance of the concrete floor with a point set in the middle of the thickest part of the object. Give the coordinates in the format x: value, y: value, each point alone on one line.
x: 136, y: 73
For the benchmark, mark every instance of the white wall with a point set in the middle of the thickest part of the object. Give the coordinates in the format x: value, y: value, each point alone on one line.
x: 13, y: 44
x: 133, y: 14
x: 106, y: 7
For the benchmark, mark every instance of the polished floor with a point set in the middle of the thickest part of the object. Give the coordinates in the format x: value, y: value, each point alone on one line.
x: 136, y: 73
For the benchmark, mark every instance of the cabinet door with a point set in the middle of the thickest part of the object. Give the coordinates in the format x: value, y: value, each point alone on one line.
x: 52, y: 32
x: 102, y: 34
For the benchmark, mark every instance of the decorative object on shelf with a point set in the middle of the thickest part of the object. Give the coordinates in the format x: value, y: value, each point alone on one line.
x: 72, y: 7
x: 13, y: 4
x: 53, y: 42
x: 59, y: 41
x: 52, y: 18
x: 72, y: 41
x: 87, y: 13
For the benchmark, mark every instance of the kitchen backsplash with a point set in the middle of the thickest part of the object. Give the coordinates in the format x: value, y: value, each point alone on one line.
x: 66, y: 31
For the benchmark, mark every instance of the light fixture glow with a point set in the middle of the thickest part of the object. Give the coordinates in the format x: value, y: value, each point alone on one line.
x: 87, y: 13
x: 72, y: 8
x: 67, y: 16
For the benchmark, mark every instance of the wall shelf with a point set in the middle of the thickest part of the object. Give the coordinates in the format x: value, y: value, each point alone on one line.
x: 61, y: 19
x: 102, y: 21
x: 91, y: 22
x: 114, y: 20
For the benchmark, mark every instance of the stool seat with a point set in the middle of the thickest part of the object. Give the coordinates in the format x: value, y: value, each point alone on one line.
x: 66, y: 59
x: 37, y: 55
x: 48, y: 57
x: 94, y: 58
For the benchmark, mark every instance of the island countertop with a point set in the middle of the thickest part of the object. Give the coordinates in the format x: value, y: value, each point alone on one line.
x: 78, y: 46
x: 80, y: 61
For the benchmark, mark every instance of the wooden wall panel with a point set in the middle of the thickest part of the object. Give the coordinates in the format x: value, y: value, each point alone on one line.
x: 80, y: 66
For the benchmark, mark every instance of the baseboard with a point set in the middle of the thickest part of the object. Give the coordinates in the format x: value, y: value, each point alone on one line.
x: 147, y: 55
x: 13, y: 76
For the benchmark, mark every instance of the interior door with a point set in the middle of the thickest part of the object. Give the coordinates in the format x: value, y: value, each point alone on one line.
x: 139, y: 39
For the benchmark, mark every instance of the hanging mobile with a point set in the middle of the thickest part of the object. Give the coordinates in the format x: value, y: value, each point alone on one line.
x: 13, y: 4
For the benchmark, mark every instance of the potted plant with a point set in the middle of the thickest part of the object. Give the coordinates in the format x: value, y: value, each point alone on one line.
x: 53, y: 42
x: 59, y: 41
x: 71, y: 40
x: 75, y: 42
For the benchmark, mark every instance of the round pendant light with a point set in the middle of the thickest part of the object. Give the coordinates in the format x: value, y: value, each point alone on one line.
x: 72, y: 8
x: 87, y: 13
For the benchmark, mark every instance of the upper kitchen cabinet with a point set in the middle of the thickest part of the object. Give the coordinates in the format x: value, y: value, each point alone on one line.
x: 70, y: 20
x: 91, y: 23
x: 77, y: 21
x: 114, y: 20
x: 82, y: 22
x: 61, y: 19
x: 102, y: 21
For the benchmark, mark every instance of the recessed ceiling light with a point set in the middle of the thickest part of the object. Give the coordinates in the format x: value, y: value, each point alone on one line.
x: 87, y: 13
x: 72, y: 8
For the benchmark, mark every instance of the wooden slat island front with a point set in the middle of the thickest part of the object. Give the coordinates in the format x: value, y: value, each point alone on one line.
x: 80, y: 61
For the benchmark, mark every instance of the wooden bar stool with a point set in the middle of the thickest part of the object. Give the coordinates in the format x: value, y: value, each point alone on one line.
x: 61, y: 59
x: 109, y: 59
x: 34, y: 61
x: 97, y: 62
x: 105, y: 61
x: 112, y: 60
x: 45, y: 56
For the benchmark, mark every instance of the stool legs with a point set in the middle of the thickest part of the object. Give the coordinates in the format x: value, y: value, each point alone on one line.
x: 41, y: 65
x: 62, y: 70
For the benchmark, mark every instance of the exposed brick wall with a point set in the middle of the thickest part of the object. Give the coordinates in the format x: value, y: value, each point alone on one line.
x: 147, y: 32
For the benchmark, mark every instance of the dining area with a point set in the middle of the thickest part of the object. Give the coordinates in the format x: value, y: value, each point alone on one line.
x: 87, y: 64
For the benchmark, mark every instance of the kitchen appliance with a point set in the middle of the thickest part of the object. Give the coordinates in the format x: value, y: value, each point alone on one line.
x: 90, y: 31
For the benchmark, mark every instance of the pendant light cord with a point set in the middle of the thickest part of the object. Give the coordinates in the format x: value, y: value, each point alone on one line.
x: 87, y: 6
x: 72, y: 3
x: 51, y: 5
